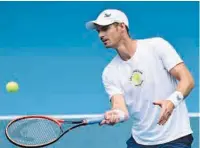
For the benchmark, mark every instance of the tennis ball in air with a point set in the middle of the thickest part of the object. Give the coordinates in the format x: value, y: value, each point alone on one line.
x: 12, y: 87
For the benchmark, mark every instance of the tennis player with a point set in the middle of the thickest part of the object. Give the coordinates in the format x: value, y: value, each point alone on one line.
x: 148, y: 81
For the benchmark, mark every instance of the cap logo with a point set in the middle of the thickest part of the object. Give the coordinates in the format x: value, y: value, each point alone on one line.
x: 107, y: 14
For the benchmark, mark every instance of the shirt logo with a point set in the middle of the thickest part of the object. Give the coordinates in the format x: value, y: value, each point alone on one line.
x: 136, y: 78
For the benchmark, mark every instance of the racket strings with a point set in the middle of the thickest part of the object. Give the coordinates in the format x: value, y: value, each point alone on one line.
x: 34, y: 131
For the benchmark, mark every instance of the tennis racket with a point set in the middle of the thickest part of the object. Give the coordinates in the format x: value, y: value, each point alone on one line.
x: 39, y: 131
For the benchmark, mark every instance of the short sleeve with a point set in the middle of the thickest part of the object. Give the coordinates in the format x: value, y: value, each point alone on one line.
x: 167, y: 53
x: 111, y: 84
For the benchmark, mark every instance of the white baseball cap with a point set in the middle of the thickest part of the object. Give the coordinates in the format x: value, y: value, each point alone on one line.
x: 108, y: 17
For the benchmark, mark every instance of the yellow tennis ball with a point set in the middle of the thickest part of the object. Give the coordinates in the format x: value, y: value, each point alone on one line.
x: 12, y: 87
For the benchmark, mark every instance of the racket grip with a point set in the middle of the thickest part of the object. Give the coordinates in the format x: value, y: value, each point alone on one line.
x: 95, y: 120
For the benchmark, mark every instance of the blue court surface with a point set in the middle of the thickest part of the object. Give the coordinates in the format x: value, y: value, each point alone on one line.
x: 45, y: 47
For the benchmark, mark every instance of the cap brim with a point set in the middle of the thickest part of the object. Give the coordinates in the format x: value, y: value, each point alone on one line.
x: 93, y: 24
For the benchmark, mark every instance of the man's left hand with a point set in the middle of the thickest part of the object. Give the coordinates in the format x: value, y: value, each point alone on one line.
x: 167, y: 108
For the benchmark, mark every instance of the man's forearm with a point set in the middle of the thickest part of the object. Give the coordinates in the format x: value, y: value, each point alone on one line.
x: 185, y: 85
x: 118, y: 102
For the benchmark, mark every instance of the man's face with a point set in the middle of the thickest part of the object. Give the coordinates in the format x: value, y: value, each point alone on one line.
x: 109, y: 35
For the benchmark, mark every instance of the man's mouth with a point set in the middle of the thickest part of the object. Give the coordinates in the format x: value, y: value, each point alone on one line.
x: 105, y: 41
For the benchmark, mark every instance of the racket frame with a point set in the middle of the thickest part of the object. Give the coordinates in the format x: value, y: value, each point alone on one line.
x: 59, y: 122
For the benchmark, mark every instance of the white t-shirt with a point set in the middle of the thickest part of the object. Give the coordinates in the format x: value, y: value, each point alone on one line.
x: 143, y: 79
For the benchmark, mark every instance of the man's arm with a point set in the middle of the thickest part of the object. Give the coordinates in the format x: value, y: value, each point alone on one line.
x: 118, y: 108
x: 173, y: 63
x: 118, y: 102
x: 186, y: 81
x: 185, y: 85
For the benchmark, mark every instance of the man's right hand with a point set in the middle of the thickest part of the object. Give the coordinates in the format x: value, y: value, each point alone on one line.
x: 114, y: 116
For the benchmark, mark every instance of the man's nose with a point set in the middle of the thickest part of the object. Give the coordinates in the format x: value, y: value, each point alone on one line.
x: 101, y: 35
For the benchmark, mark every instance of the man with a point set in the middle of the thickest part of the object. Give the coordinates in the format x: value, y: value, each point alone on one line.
x: 148, y: 77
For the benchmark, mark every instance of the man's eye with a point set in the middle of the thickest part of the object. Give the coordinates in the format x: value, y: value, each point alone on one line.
x: 105, y: 28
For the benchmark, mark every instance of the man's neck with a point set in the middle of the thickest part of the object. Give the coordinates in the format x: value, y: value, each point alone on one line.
x: 126, y: 49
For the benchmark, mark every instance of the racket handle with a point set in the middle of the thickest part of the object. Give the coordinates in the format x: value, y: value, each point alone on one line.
x: 95, y: 120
